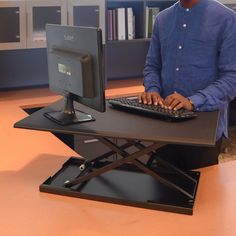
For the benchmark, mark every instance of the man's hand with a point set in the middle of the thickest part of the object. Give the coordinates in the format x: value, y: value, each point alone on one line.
x: 176, y: 101
x: 151, y: 98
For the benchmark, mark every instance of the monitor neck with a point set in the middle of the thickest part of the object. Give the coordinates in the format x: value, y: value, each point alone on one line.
x: 69, y: 105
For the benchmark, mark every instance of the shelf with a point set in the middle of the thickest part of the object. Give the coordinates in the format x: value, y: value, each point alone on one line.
x: 142, y: 40
x: 138, y: 12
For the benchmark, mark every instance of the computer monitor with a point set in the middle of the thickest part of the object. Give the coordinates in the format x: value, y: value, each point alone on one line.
x: 76, y: 71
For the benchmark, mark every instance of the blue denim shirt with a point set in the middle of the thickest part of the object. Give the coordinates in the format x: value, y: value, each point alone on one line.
x: 193, y: 52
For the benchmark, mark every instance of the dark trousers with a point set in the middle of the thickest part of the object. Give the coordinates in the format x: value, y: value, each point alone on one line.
x: 190, y: 157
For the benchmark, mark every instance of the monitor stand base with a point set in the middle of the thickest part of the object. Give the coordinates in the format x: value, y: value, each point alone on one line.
x: 68, y: 115
x: 63, y: 118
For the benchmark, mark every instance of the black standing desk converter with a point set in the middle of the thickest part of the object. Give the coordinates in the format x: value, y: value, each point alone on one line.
x: 128, y: 180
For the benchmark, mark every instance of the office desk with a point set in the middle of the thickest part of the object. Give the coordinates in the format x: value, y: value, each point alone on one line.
x: 25, y: 211
x: 156, y: 186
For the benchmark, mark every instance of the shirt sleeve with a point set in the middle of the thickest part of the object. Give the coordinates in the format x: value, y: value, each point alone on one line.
x: 152, y: 68
x: 217, y: 95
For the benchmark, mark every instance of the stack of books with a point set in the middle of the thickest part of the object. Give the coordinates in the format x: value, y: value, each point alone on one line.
x: 151, y: 13
x: 121, y: 24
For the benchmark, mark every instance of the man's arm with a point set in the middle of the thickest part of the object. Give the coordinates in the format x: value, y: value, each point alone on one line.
x: 223, y: 90
x: 153, y: 65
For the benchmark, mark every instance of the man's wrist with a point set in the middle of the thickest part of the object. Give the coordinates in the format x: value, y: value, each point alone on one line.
x: 152, y: 89
x: 191, y: 103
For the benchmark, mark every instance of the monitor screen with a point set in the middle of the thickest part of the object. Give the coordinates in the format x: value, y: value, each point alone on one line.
x: 76, y: 71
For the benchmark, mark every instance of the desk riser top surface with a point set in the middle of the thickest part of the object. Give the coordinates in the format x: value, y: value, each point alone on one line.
x: 120, y: 124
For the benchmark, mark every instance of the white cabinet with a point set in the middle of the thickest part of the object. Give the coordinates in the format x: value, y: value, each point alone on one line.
x: 12, y: 25
x: 87, y: 13
x: 22, y: 22
x: 40, y: 13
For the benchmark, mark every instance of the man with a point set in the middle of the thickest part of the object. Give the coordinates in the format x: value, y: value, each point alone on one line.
x: 191, y: 64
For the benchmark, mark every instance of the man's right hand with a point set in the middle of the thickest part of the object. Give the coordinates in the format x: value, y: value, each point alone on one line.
x: 151, y: 98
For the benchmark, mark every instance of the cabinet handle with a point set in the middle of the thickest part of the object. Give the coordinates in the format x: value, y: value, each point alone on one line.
x: 91, y: 141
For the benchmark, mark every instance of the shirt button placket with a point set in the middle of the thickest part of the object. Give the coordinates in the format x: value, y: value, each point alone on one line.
x: 177, y: 69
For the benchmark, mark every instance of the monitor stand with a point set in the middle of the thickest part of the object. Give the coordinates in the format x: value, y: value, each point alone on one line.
x: 68, y: 115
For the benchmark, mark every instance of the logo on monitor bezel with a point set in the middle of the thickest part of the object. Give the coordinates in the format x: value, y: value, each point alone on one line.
x: 68, y: 37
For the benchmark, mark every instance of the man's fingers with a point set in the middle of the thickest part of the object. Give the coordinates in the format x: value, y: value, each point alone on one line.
x: 143, y: 97
x: 155, y: 99
x: 174, y: 103
x: 140, y: 98
x: 168, y: 100
x: 160, y: 101
x: 149, y: 98
x: 179, y: 106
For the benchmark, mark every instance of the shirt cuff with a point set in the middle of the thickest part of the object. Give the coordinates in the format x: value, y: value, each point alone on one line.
x: 153, y: 89
x: 197, y: 101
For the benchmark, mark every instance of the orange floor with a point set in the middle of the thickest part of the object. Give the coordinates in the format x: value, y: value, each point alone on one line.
x: 29, y: 157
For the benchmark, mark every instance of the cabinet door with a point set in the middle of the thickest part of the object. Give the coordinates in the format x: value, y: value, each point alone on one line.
x: 87, y: 13
x: 12, y: 25
x: 10, y: 33
x: 41, y: 13
x: 86, y: 16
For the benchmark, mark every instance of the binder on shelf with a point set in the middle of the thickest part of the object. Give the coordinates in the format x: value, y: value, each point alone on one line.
x: 232, y: 6
x: 134, y: 34
x: 146, y: 22
x: 151, y: 13
x: 114, y: 21
x: 155, y: 11
x: 130, y: 23
x: 110, y: 24
x: 121, y: 32
x: 120, y: 24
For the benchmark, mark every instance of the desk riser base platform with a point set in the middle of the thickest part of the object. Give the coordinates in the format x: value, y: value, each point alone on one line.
x: 126, y: 185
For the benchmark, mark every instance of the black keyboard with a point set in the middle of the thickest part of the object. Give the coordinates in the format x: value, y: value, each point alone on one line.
x: 131, y: 104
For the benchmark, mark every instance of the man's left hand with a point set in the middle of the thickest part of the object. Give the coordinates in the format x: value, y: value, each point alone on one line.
x: 176, y: 101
